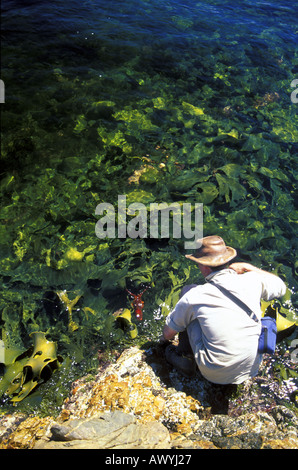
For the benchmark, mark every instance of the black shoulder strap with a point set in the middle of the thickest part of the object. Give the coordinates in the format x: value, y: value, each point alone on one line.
x: 237, y: 301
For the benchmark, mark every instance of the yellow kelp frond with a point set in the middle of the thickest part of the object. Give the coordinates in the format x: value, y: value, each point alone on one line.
x: 68, y: 305
x: 284, y: 325
x: 29, y: 369
x: 123, y: 317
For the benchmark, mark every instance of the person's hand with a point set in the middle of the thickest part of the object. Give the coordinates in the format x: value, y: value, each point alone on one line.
x: 162, y: 341
x: 241, y: 268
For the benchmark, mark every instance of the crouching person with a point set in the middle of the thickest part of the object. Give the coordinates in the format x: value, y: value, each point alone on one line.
x: 215, y: 334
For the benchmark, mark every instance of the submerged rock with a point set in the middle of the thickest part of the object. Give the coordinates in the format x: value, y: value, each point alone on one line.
x: 141, y: 403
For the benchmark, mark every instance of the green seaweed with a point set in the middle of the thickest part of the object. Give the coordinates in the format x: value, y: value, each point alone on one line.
x: 158, y: 123
x: 25, y: 371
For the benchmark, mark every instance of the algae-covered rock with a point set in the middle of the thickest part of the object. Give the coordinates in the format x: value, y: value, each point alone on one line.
x: 140, y: 402
x: 26, y: 434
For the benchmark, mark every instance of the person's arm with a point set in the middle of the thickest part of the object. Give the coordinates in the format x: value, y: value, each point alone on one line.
x: 273, y: 286
x: 177, y: 320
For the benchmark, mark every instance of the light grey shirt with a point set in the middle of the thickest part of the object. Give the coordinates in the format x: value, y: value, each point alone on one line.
x: 223, y: 337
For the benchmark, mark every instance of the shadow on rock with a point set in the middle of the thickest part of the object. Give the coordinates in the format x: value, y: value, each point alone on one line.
x: 215, y: 397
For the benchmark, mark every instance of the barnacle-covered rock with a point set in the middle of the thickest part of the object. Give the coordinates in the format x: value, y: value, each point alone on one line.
x: 132, y: 386
x: 27, y: 433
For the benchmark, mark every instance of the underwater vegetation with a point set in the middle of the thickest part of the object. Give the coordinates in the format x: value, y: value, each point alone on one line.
x: 173, y: 119
x: 26, y: 370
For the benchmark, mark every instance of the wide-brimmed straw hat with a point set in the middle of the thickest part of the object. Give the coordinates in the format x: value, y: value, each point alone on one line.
x: 212, y: 252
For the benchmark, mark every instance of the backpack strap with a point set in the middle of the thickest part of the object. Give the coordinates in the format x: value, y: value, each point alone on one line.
x: 237, y: 301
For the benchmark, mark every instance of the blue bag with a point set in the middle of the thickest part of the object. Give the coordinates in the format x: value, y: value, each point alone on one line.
x: 267, y: 340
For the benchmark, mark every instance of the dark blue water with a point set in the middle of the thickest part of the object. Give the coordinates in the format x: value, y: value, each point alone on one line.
x: 71, y: 34
x: 108, y: 49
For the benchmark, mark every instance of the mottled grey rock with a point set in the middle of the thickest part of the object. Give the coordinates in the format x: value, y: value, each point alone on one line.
x: 91, y: 428
x: 115, y: 430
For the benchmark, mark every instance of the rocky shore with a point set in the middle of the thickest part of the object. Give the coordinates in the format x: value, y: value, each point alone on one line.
x: 139, y: 402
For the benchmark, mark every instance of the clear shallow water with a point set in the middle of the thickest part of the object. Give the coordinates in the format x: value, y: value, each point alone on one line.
x: 162, y: 101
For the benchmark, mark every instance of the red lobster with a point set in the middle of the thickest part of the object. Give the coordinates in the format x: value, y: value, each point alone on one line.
x: 138, y: 304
